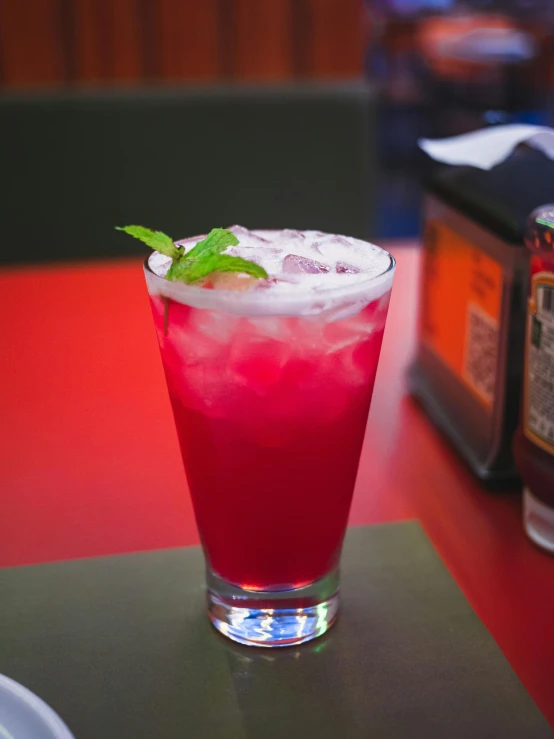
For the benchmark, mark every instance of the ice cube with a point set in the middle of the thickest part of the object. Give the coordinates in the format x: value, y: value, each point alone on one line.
x: 159, y: 263
x: 257, y: 362
x: 340, y: 240
x: 323, y: 238
x: 245, y: 235
x: 345, y: 256
x: 290, y: 234
x: 258, y: 254
x: 315, y: 248
x: 201, y: 386
x: 335, y: 250
x: 384, y: 303
x: 295, y: 264
x: 215, y: 325
x: 347, y: 269
x: 198, y: 348
x: 311, y: 249
x: 237, y: 281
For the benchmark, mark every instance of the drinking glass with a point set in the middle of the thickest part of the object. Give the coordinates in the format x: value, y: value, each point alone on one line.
x: 270, y: 395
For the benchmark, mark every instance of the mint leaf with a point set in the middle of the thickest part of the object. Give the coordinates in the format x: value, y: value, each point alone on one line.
x: 179, y: 270
x: 195, y: 269
x: 227, y: 263
x: 215, y: 242
x: 202, y: 259
x: 154, y: 239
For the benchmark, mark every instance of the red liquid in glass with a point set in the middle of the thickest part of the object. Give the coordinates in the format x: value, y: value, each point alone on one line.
x: 271, y: 414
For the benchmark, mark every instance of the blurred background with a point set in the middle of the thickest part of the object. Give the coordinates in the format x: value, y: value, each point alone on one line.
x: 87, y: 88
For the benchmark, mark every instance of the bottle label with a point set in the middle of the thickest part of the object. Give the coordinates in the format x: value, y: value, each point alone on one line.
x: 462, y: 308
x: 539, y: 361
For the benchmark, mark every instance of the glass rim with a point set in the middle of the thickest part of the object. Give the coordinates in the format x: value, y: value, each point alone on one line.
x: 258, y: 303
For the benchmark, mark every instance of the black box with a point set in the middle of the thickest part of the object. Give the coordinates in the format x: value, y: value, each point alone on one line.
x: 468, y: 369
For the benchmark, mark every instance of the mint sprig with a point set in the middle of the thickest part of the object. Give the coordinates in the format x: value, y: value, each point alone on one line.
x: 215, y: 242
x: 155, y: 239
x: 192, y: 266
x: 202, y: 259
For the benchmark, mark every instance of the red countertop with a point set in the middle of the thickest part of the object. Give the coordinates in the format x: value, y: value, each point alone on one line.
x: 89, y: 462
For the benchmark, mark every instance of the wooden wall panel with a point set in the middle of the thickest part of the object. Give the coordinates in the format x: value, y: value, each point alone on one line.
x: 89, y: 61
x: 125, y: 16
x: 48, y: 42
x: 107, y: 40
x: 187, y: 39
x: 332, y: 38
x: 262, y: 39
x: 33, y: 43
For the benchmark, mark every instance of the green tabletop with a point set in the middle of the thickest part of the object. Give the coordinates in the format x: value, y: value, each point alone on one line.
x: 121, y: 648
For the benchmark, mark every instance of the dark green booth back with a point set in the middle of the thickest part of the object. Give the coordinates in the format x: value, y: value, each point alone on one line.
x: 74, y: 165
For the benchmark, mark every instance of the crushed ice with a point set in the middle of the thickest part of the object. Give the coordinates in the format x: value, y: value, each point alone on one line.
x: 296, y: 260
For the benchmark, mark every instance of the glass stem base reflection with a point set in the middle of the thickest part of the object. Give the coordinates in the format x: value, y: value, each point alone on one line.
x: 278, y: 618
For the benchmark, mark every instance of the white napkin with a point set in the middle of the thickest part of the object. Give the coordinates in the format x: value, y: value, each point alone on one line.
x: 488, y: 147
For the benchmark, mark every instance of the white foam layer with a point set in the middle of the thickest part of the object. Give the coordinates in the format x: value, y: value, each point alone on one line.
x: 310, y: 272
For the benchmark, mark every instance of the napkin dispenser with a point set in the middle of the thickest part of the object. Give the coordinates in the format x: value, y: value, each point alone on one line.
x: 468, y: 368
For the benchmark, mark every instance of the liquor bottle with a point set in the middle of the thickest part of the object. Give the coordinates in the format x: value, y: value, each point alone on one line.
x: 534, y: 439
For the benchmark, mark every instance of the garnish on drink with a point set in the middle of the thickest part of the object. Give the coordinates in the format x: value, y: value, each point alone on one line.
x: 202, y: 260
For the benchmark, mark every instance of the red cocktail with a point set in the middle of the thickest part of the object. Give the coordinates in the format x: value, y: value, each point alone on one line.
x: 270, y: 389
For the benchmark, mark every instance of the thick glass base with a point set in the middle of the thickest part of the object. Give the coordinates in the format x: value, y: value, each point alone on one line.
x: 279, y: 618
